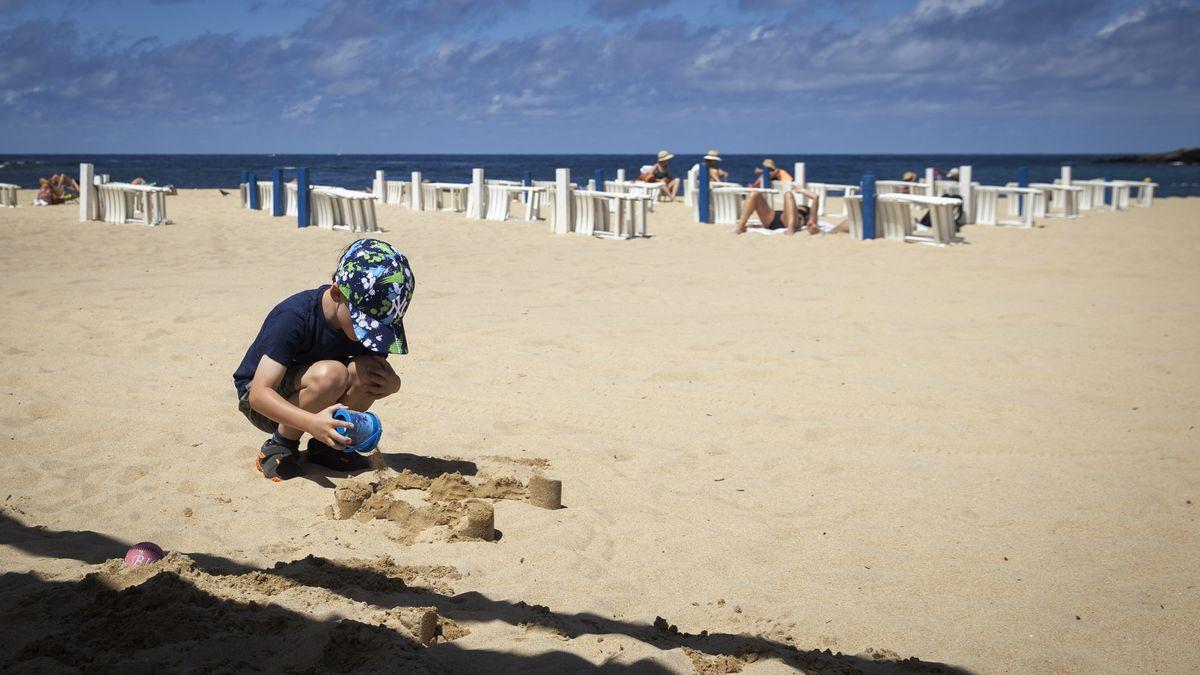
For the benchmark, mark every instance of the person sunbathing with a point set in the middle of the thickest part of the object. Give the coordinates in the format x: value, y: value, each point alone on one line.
x: 57, y: 189
x: 775, y: 173
x: 792, y: 216
x: 661, y: 173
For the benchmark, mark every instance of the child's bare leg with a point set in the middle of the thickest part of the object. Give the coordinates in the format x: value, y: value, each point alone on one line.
x: 321, y: 385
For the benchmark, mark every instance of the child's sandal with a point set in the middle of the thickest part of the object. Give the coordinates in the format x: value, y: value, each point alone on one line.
x: 276, y: 462
x: 332, y: 458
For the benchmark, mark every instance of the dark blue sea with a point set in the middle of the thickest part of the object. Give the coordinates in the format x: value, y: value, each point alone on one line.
x: 357, y: 171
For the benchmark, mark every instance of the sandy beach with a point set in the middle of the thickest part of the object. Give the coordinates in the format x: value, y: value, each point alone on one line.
x: 801, y: 453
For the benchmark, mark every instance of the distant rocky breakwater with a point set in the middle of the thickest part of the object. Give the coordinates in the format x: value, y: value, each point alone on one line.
x: 1180, y: 156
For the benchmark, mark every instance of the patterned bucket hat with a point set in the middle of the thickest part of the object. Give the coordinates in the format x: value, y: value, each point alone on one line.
x: 378, y: 283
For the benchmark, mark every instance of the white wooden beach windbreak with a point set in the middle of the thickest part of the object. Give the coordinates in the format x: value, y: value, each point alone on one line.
x: 476, y: 196
x: 965, y: 191
x: 87, y: 193
x: 562, y: 201
x: 8, y: 194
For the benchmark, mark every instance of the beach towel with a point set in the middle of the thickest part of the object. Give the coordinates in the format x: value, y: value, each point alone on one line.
x: 823, y: 225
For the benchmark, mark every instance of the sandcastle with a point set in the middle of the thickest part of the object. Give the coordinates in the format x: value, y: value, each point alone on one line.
x: 545, y: 492
x: 461, y: 507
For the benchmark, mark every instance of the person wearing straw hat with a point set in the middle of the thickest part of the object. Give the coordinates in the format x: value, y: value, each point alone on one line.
x: 712, y: 160
x: 774, y: 172
x: 661, y: 173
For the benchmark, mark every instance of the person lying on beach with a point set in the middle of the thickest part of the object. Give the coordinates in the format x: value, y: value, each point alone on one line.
x: 774, y: 172
x: 792, y: 216
x: 325, y: 349
x: 661, y: 173
x: 170, y: 189
x: 56, y: 189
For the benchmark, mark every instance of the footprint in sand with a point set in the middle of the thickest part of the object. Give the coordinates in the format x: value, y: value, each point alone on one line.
x: 512, y: 426
x: 42, y: 410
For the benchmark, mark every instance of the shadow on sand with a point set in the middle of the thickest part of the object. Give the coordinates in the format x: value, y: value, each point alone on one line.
x: 166, y: 622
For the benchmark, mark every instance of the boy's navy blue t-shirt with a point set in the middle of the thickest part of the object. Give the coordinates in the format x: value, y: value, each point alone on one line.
x: 296, y: 333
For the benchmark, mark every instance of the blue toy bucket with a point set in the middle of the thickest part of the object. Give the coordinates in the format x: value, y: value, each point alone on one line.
x: 366, y: 432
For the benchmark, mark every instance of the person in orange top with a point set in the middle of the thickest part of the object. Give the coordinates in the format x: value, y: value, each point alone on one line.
x: 775, y: 173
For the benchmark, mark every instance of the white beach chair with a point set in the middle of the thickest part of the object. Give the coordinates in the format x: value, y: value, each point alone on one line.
x: 895, y: 219
x: 8, y: 194
x: 396, y: 192
x: 1059, y: 201
x: 430, y: 197
x: 1144, y: 192
x: 943, y: 226
x: 854, y: 218
x: 266, y: 196
x: 127, y: 203
x: 334, y: 208
x: 1092, y: 197
x: 822, y: 191
x: 611, y: 215
x: 588, y: 212
x: 727, y: 204
x: 498, y: 201
x: 530, y: 195
x: 1020, y: 202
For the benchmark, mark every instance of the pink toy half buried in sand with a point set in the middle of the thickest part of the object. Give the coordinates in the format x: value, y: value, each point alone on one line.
x: 143, y: 553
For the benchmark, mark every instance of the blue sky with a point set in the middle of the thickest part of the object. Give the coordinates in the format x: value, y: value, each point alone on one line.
x: 550, y: 76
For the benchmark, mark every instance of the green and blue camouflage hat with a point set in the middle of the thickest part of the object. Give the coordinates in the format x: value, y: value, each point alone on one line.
x: 378, y: 283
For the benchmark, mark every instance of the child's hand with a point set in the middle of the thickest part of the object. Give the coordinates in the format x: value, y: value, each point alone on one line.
x: 378, y: 377
x: 324, y: 428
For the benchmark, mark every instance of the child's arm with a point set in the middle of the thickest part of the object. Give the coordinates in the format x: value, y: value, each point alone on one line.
x: 265, y: 399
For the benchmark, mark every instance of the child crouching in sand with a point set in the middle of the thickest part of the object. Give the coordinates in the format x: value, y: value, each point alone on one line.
x: 324, y: 349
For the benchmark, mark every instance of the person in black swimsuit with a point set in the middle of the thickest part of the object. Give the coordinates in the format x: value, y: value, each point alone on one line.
x: 791, y: 217
x: 662, y: 174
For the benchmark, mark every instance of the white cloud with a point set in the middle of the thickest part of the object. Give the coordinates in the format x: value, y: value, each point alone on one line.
x: 301, y: 110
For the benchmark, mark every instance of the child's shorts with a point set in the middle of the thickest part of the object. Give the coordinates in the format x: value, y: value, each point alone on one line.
x: 287, y: 388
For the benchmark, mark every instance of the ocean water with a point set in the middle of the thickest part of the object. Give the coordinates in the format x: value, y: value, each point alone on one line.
x: 357, y: 171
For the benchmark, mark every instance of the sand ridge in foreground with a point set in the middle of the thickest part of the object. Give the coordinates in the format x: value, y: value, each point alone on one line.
x: 805, y: 441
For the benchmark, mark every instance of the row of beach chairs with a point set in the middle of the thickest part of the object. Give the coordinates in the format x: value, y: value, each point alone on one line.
x: 330, y: 208
x: 898, y: 202
x: 616, y: 209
